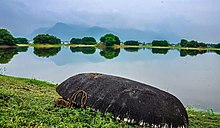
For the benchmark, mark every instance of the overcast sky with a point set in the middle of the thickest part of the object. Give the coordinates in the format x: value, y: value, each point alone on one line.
x: 193, y: 19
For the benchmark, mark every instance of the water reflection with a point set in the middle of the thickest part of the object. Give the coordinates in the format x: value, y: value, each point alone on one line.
x: 109, y: 52
x: 132, y: 49
x: 84, y: 50
x: 217, y: 52
x: 6, y: 54
x: 46, y: 52
x: 184, y: 52
x: 194, y: 80
x: 159, y: 51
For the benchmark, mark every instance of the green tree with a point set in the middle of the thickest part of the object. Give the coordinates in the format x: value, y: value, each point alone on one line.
x: 110, y: 40
x: 75, y: 41
x: 183, y: 43
x: 192, y: 43
x: 132, y: 42
x: 160, y: 43
x: 217, y: 45
x: 6, y: 38
x: 88, y: 41
x: 46, y: 52
x: 46, y: 39
x: 21, y: 41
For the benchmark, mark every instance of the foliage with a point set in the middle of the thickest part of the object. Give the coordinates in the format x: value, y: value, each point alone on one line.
x: 84, y: 50
x: 198, y: 119
x: 217, y: 45
x: 6, y: 38
x: 88, y: 41
x: 46, y: 52
x: 75, y: 41
x: 46, y: 39
x: 192, y: 43
x: 110, y: 40
x: 160, y: 43
x: 110, y: 53
x: 21, y: 41
x: 184, y: 52
x: 84, y: 40
x: 160, y: 51
x: 132, y: 42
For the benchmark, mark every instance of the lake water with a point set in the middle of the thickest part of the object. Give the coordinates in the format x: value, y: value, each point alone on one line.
x: 192, y: 76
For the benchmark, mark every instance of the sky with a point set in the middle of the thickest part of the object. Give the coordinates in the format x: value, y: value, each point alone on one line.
x: 191, y: 19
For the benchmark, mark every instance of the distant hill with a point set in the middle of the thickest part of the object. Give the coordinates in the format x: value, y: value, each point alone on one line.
x: 67, y: 31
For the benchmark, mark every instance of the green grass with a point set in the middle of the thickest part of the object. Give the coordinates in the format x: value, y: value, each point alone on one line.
x: 30, y: 103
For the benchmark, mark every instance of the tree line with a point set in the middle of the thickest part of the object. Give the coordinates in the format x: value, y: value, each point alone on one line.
x: 6, y: 38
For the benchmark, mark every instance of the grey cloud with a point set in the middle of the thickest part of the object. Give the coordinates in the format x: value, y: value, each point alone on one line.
x: 198, y: 19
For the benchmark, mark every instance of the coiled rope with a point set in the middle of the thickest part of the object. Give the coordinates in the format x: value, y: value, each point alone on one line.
x: 83, y: 100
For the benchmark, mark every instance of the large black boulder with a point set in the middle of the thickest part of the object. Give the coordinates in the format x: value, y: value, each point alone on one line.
x: 126, y: 99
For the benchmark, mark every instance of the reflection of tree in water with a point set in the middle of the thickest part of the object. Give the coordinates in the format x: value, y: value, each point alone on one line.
x: 159, y: 51
x: 6, y: 54
x: 131, y: 49
x: 184, y: 52
x: 110, y: 53
x: 22, y: 49
x: 84, y: 50
x: 217, y: 52
x: 46, y: 52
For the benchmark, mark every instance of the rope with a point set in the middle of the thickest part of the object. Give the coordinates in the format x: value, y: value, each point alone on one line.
x: 84, y: 97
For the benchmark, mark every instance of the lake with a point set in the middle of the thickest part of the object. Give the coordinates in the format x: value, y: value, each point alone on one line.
x: 192, y: 76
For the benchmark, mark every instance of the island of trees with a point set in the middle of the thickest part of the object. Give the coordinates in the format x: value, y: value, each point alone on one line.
x: 107, y: 40
x: 6, y: 38
x: 84, y: 40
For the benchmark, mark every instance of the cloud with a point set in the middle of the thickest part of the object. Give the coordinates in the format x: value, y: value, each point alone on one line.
x: 153, y: 15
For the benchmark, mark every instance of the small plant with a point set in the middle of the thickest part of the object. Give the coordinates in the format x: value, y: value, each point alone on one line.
x: 210, y: 111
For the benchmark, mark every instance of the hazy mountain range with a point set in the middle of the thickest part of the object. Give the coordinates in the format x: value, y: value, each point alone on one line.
x: 67, y: 31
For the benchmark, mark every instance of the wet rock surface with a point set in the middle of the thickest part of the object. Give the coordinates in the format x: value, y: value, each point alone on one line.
x: 126, y: 99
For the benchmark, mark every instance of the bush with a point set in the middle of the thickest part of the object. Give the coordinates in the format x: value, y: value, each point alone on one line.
x: 75, y: 41
x: 21, y: 41
x: 160, y: 43
x: 84, y: 40
x: 46, y: 39
x: 110, y: 40
x: 132, y: 42
x: 192, y: 43
x: 88, y: 40
x: 217, y: 45
x: 6, y: 38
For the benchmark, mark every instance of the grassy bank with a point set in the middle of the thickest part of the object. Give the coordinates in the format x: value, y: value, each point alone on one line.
x: 119, y: 46
x: 30, y: 103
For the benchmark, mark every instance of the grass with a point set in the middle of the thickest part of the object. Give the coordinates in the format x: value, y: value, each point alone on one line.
x: 30, y: 103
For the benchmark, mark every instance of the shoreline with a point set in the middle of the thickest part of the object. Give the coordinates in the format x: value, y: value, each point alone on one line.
x: 116, y: 46
x: 30, y: 102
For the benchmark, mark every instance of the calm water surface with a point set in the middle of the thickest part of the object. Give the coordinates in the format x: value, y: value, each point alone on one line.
x: 191, y: 76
